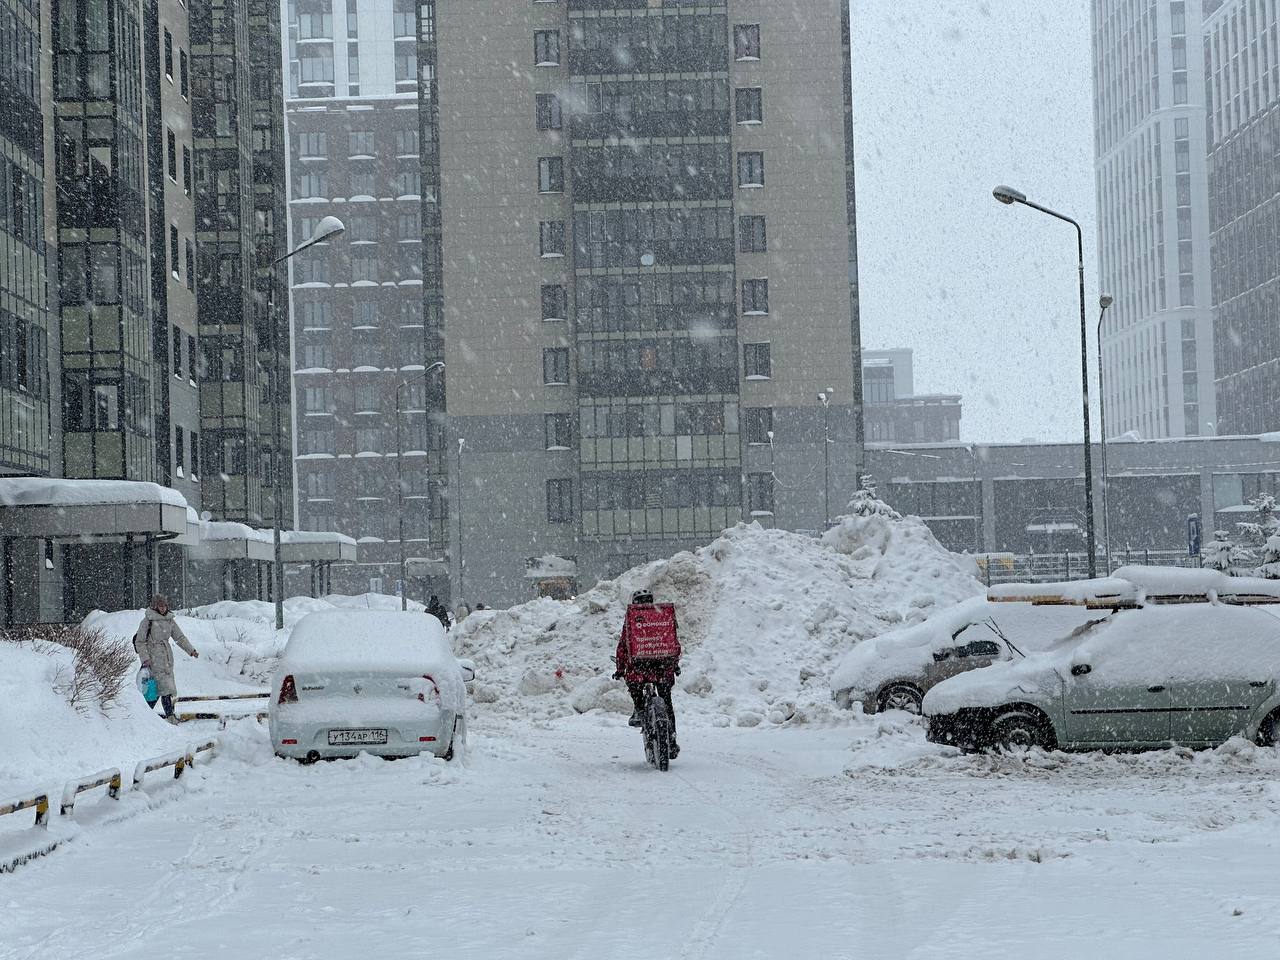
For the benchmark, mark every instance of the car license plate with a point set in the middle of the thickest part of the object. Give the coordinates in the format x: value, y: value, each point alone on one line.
x: 339, y: 738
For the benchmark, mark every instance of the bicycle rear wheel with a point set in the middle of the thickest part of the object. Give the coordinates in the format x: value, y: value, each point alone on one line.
x: 657, y: 733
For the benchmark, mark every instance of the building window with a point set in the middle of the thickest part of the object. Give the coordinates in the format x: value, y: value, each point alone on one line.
x: 409, y: 225
x: 546, y: 48
x: 191, y: 265
x: 186, y: 170
x: 759, y: 424
x: 756, y: 361
x: 551, y: 175
x: 548, y: 112
x: 760, y: 494
x: 362, y: 183
x: 409, y: 183
x: 559, y: 501
x: 174, y: 251
x: 317, y: 356
x: 551, y: 235
x: 559, y: 428
x: 313, y: 144
x: 751, y: 169
x: 364, y: 268
x: 752, y: 237
x: 746, y: 41
x: 193, y: 359
x: 407, y: 143
x: 554, y: 302
x: 168, y: 51
x: 184, y: 78
x: 195, y: 455
x: 171, y: 150
x: 179, y: 449
x: 317, y: 316
x: 177, y: 352
x: 755, y: 297
x: 748, y: 104
x: 555, y: 366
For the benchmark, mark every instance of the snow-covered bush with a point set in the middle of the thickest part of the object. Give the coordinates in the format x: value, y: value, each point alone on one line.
x: 1261, y: 537
x: 1222, y: 554
x: 99, y: 664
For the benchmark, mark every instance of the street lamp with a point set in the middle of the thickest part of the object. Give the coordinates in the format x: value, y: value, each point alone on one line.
x: 327, y: 228
x: 1008, y: 195
x: 457, y: 500
x: 404, y: 583
x: 1104, y: 302
x: 825, y: 397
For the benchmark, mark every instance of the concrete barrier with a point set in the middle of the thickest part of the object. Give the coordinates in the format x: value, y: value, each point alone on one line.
x: 103, y: 778
x: 39, y: 802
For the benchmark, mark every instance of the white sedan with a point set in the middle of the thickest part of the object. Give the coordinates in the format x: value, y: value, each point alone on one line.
x: 374, y: 681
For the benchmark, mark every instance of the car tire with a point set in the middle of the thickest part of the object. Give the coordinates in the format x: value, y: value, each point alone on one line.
x: 900, y: 696
x: 1269, y: 730
x: 1020, y: 730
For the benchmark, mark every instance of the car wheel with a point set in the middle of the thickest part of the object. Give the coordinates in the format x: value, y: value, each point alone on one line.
x: 900, y: 696
x: 1269, y: 731
x: 1018, y: 731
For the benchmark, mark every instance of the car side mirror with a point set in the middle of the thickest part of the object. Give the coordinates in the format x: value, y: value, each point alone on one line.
x: 468, y: 670
x: 1080, y: 669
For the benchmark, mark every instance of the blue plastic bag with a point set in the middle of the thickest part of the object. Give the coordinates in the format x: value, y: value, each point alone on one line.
x: 147, y: 686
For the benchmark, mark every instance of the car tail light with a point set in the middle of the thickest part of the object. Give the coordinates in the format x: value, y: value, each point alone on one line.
x: 289, y: 742
x: 288, y: 691
x: 422, y: 697
x: 426, y: 739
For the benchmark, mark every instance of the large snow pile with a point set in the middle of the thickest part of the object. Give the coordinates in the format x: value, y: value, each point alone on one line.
x: 764, y: 614
x: 44, y: 740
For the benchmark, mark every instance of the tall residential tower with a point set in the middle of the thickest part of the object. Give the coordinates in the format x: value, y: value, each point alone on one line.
x: 1153, y: 217
x: 1242, y: 57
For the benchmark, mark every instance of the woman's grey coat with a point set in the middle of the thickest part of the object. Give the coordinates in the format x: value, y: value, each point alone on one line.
x: 152, y: 644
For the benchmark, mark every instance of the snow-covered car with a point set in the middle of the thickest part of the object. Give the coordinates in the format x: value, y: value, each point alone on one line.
x: 1193, y: 674
x: 895, y: 670
x: 380, y: 682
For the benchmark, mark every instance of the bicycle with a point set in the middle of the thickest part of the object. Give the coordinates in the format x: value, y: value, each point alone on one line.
x: 655, y: 725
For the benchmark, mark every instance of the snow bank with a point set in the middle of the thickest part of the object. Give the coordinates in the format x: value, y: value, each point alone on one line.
x: 763, y: 615
x: 1138, y: 582
x: 44, y: 741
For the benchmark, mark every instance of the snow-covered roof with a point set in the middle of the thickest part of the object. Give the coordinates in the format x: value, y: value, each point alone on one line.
x: 53, y: 492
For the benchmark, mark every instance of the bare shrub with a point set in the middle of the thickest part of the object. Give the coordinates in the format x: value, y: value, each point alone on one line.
x: 99, y: 667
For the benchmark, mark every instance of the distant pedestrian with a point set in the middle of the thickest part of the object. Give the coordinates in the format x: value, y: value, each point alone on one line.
x: 151, y: 642
x: 436, y: 609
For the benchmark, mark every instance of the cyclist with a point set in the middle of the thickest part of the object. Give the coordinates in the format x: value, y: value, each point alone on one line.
x: 637, y: 670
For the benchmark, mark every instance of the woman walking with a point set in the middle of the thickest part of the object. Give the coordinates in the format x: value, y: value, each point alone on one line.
x: 151, y: 642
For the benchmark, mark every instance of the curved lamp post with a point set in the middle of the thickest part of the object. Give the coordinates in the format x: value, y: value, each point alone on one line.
x: 1104, y: 302
x: 420, y: 378
x: 1009, y: 196
x: 327, y: 228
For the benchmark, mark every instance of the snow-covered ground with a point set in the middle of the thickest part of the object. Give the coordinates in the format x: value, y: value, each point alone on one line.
x: 556, y: 841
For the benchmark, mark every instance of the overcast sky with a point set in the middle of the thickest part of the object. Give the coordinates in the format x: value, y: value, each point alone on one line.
x: 952, y: 97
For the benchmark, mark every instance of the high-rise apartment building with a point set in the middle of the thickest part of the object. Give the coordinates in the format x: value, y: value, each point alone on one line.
x: 28, y: 418
x: 239, y: 189
x: 647, y: 274
x: 1153, y: 217
x: 358, y: 305
x: 1242, y: 60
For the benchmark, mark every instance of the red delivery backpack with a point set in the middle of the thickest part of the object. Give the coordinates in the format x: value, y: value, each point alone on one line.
x: 651, y: 632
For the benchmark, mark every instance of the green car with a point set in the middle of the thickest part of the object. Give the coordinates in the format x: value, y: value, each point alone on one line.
x: 1142, y: 679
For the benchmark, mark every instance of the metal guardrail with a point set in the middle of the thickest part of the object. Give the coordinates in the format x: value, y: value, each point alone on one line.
x: 104, y: 778
x: 224, y: 717
x: 39, y: 802
x: 177, y: 760
x: 223, y: 696
x: 1056, y: 567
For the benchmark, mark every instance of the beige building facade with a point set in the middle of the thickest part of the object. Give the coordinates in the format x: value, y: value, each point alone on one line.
x: 648, y: 277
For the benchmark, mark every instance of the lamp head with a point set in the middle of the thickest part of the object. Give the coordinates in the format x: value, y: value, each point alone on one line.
x: 1106, y: 300
x: 326, y: 228
x: 1009, y: 195
x: 822, y: 397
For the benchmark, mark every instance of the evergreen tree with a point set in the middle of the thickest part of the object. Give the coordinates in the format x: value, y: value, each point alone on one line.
x: 1261, y: 536
x: 865, y: 503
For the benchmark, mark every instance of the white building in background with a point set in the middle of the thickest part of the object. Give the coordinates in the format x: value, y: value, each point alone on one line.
x: 351, y: 107
x: 1153, y: 216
